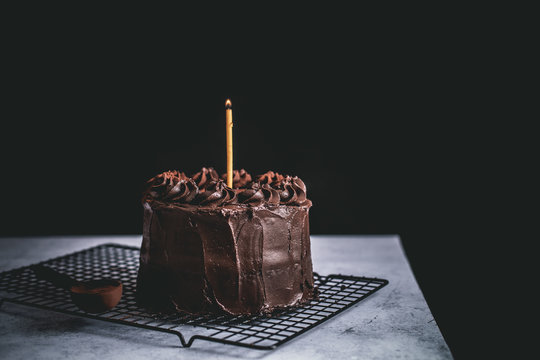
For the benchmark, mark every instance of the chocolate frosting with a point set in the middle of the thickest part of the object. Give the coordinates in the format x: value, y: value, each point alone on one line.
x: 238, y: 260
x: 217, y: 193
x: 271, y: 178
x: 258, y: 194
x: 205, y: 177
x: 241, y: 178
x: 206, y: 188
x: 172, y: 186
x: 211, y: 248
x: 292, y: 191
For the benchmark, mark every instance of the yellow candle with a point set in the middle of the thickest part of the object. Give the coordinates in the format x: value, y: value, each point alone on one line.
x: 228, y: 127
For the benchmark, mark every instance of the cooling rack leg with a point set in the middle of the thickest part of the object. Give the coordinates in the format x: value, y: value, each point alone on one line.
x: 182, y: 340
x: 191, y: 340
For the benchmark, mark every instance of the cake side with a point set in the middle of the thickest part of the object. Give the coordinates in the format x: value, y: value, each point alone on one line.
x: 238, y: 260
x: 171, y: 272
x: 286, y: 256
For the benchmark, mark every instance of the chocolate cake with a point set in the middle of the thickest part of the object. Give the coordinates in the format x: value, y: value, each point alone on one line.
x: 211, y: 248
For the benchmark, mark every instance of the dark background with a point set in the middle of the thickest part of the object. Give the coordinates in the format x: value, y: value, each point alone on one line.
x: 385, y: 133
x: 372, y: 165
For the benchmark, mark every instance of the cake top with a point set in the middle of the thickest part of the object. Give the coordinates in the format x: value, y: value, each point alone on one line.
x: 207, y: 188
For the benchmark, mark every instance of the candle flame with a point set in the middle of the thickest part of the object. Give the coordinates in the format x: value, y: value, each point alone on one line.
x: 228, y: 104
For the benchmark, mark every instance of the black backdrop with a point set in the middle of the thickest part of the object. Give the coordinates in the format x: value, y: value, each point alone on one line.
x: 372, y: 165
x: 388, y: 147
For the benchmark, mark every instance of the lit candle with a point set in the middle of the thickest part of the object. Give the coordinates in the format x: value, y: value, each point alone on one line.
x: 228, y: 127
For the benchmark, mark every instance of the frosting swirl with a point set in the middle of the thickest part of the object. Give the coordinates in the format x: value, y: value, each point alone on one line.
x: 292, y: 191
x: 205, y: 188
x: 205, y: 177
x: 271, y: 178
x: 253, y: 195
x: 173, y: 186
x: 217, y: 193
x: 184, y: 191
x: 271, y: 195
x: 241, y: 178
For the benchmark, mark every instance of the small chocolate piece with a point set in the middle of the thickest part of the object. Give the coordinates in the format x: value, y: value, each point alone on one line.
x: 92, y: 296
x: 96, y: 296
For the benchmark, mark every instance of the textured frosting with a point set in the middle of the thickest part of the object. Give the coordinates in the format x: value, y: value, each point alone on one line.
x: 207, y: 188
x: 293, y: 191
x: 241, y: 178
x: 240, y: 260
x: 271, y: 178
x: 209, y: 248
x: 204, y: 177
x: 172, y: 186
x: 216, y: 193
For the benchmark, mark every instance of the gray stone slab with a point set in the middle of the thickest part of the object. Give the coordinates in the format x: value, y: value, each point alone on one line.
x: 394, y: 323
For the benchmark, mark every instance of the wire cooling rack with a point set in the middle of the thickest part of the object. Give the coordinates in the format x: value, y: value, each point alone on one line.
x: 336, y: 293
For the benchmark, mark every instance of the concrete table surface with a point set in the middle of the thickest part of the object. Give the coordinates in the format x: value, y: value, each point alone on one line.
x: 393, y: 323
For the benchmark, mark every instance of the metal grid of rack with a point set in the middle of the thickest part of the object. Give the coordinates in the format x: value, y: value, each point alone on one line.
x: 336, y: 294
